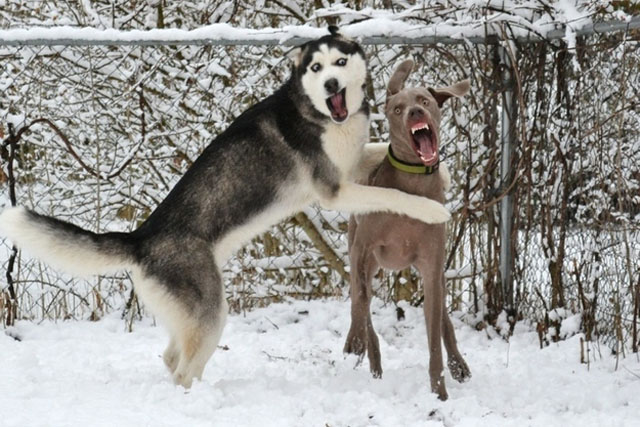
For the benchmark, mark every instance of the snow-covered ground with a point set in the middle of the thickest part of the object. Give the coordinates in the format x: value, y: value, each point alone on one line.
x: 283, y: 366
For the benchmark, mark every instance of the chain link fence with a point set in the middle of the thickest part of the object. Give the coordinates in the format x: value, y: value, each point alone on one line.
x: 98, y: 134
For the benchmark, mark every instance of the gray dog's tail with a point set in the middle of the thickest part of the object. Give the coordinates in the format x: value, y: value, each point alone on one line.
x: 64, y: 245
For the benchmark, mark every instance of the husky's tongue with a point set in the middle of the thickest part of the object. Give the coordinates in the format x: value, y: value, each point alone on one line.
x: 337, y: 106
x: 426, y: 147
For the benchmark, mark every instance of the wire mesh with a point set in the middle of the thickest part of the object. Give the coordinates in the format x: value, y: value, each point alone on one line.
x: 106, y: 131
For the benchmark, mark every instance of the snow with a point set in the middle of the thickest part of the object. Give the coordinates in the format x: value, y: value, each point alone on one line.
x: 465, y: 270
x: 374, y: 23
x: 212, y: 32
x: 283, y: 366
x: 570, y: 326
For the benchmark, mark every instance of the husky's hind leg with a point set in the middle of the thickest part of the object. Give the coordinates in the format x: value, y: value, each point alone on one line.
x: 171, y: 355
x: 191, y: 345
x: 197, y: 343
x: 184, y: 289
x: 198, y: 325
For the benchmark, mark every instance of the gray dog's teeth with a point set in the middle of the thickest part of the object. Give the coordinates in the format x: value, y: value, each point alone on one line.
x: 414, y: 130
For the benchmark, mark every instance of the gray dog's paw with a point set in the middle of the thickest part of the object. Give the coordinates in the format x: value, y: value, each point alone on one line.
x: 355, y: 345
x: 459, y: 370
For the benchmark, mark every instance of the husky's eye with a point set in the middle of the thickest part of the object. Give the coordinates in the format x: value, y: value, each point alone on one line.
x: 316, y: 67
x: 341, y: 62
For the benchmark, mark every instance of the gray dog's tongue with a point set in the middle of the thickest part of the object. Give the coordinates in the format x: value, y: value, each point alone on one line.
x: 427, y: 149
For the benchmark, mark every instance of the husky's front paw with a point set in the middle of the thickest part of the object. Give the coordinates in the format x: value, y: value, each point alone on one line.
x: 435, y: 213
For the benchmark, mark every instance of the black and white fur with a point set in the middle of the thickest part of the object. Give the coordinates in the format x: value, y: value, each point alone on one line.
x: 281, y: 155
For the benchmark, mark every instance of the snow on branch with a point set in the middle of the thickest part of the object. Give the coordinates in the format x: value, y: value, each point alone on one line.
x: 368, y: 25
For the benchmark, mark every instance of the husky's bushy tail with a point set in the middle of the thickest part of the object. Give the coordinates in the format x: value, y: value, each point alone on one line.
x: 65, y: 246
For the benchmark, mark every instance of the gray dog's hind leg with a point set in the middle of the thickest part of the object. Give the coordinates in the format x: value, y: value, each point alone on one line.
x: 433, y: 311
x: 457, y: 366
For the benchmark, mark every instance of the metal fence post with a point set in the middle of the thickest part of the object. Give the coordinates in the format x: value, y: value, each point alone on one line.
x: 507, y: 140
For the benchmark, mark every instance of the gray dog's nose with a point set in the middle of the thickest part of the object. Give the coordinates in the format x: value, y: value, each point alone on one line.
x: 416, y: 113
x: 331, y: 85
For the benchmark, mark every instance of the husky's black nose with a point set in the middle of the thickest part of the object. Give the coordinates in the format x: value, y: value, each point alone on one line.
x: 331, y: 86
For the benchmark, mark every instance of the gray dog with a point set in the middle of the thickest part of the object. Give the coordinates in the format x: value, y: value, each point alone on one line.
x: 397, y: 242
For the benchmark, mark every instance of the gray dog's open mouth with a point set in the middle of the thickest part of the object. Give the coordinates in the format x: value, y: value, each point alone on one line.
x: 425, y: 143
x: 337, y: 104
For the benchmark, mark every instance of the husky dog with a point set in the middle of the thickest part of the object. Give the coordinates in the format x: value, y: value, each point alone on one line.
x: 299, y: 146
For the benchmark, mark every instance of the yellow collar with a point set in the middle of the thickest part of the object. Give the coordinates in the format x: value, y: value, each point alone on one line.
x: 411, y: 167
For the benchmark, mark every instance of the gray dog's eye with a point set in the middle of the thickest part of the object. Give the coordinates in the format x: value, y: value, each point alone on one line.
x: 316, y: 67
x: 425, y: 102
x: 397, y: 110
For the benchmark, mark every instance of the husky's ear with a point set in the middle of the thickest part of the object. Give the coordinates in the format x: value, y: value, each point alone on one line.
x: 396, y: 82
x: 295, y: 55
x: 334, y: 30
x: 458, y: 90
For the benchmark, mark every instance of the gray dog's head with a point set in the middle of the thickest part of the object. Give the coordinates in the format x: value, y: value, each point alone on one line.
x: 414, y: 116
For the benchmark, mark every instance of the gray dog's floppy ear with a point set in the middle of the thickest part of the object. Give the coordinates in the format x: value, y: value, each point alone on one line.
x: 442, y: 94
x: 396, y: 82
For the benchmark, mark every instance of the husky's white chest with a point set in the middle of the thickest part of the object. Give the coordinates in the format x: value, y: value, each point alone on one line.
x: 343, y: 143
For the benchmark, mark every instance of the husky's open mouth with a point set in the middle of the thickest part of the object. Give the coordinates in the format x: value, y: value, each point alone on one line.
x: 424, y: 143
x: 337, y: 104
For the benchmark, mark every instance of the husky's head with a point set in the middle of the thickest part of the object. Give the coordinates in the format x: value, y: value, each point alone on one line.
x: 332, y: 71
